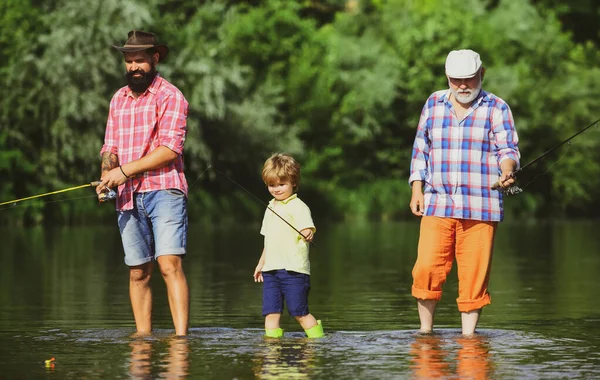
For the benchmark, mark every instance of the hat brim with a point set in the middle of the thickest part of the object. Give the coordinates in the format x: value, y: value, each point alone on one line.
x: 162, y: 50
x: 462, y: 76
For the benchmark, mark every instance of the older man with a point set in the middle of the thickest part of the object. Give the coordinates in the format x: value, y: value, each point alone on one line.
x: 465, y: 140
x: 142, y: 155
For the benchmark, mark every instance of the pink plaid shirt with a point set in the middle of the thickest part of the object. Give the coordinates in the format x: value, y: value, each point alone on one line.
x: 137, y: 126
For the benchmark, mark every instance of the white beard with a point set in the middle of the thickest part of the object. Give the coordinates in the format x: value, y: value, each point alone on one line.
x: 466, y: 96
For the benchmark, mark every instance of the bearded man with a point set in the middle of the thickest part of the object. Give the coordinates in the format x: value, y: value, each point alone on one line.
x: 465, y: 140
x: 142, y: 156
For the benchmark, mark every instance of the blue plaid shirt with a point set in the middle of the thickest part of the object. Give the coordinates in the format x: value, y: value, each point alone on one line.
x: 459, y: 160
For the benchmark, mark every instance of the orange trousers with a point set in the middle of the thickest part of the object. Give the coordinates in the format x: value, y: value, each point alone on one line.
x: 441, y: 240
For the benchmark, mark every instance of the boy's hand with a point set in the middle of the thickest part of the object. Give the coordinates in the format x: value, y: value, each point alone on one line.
x: 308, y: 234
x: 258, y: 277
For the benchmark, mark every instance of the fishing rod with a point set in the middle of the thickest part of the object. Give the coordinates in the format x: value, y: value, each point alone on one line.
x: 515, y: 189
x: 258, y: 200
x: 106, y: 196
x: 111, y: 194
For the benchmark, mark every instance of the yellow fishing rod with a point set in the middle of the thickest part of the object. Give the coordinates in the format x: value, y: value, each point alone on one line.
x: 108, y: 196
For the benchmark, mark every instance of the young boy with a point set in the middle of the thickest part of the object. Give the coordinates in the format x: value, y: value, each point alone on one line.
x: 284, y: 266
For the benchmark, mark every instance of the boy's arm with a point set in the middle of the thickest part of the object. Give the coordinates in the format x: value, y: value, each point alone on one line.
x: 303, y: 221
x: 258, y: 277
x: 308, y: 233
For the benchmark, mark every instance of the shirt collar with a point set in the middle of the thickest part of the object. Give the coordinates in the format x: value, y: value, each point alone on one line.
x: 153, y: 89
x: 287, y: 200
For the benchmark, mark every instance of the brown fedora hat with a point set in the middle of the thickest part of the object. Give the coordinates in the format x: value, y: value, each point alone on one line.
x: 139, y: 41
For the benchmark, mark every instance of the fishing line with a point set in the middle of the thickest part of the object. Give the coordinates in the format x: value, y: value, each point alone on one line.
x: 259, y: 201
x: 513, y: 190
x: 549, y: 167
x: 15, y: 201
x: 14, y: 205
x: 200, y: 176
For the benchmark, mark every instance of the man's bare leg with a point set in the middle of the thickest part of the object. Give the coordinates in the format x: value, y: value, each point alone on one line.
x: 177, y: 290
x: 140, y: 294
x: 426, y: 310
x: 469, y: 321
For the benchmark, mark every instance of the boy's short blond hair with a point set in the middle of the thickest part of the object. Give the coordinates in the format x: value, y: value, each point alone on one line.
x: 281, y: 167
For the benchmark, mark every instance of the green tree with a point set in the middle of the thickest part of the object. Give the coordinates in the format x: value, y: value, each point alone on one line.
x: 359, y: 85
x: 339, y: 84
x: 58, y: 85
x: 230, y: 61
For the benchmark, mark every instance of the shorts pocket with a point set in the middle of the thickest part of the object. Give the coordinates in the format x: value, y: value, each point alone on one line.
x: 175, y: 192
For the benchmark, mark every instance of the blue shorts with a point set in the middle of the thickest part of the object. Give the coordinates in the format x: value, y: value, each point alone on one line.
x: 280, y: 285
x: 156, y: 226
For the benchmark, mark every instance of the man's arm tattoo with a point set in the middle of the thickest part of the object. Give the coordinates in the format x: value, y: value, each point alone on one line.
x: 109, y: 161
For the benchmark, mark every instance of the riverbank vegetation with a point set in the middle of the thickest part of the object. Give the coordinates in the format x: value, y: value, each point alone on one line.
x: 339, y: 84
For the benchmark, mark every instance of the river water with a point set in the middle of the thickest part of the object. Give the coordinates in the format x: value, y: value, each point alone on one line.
x: 63, y: 295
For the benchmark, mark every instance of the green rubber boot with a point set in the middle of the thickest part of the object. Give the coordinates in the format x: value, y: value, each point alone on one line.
x: 315, y: 331
x: 274, y: 333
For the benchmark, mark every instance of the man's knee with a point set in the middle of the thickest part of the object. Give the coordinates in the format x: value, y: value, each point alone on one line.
x: 170, y: 265
x: 140, y: 274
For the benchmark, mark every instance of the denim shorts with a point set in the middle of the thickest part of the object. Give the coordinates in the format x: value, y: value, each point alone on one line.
x: 156, y: 226
x: 280, y: 285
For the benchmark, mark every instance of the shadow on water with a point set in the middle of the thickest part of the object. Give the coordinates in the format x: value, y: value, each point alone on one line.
x: 245, y: 353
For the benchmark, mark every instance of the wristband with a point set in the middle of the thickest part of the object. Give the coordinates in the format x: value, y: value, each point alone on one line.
x: 120, y: 167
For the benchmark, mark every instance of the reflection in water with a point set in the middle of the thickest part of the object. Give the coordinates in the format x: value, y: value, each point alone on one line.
x: 474, y: 361
x: 178, y: 358
x: 277, y: 359
x: 140, y: 364
x: 436, y: 357
x: 174, y: 365
x: 428, y: 357
x: 53, y: 280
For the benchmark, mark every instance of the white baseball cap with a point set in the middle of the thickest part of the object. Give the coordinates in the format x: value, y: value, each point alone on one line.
x: 462, y: 64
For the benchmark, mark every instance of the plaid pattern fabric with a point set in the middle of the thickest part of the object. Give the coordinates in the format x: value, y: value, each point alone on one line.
x: 137, y: 126
x: 459, y: 161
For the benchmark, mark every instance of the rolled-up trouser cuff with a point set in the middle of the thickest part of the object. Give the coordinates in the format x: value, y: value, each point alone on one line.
x: 470, y: 305
x: 424, y: 294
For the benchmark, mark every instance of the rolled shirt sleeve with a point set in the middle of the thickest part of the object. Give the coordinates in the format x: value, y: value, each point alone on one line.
x: 506, y: 139
x: 172, y: 125
x: 420, y: 152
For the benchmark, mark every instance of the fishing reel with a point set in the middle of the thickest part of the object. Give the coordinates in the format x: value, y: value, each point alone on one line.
x: 107, y: 196
x: 512, y: 190
x: 508, y: 191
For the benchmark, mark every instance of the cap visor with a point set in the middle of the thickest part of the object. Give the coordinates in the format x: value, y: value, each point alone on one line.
x: 461, y: 76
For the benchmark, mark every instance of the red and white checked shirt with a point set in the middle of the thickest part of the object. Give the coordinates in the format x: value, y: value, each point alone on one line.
x: 137, y: 126
x: 459, y: 160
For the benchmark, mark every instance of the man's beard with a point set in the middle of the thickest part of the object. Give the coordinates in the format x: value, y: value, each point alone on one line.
x: 466, y: 97
x: 139, y: 85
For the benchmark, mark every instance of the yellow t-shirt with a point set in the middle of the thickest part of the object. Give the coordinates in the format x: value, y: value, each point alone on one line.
x: 284, y: 247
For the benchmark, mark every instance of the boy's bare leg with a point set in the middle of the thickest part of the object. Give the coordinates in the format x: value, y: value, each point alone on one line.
x: 426, y: 310
x: 272, y: 321
x: 140, y: 294
x: 469, y: 321
x: 177, y: 290
x: 307, y: 321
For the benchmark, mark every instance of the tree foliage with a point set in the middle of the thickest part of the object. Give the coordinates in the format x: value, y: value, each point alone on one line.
x: 340, y: 84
